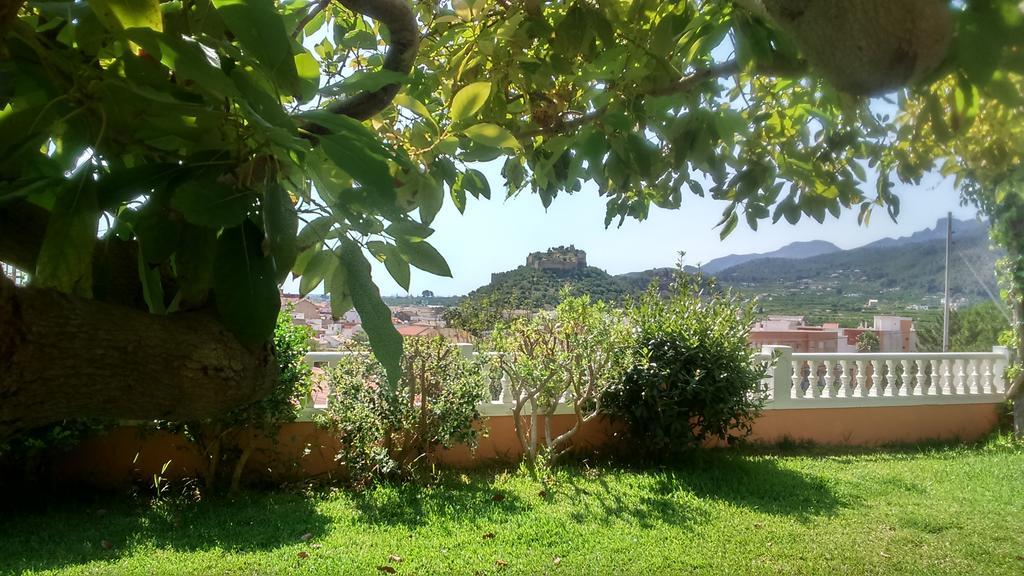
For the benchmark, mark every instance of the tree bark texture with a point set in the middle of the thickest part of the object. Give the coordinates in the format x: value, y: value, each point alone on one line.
x: 65, y: 357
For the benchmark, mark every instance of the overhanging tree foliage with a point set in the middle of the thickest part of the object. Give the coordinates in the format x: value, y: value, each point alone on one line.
x: 157, y: 158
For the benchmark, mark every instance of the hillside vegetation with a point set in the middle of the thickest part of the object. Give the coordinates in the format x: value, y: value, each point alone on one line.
x: 531, y: 288
x: 913, y: 270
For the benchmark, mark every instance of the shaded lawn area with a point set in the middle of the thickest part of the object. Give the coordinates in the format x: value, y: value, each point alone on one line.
x: 945, y: 510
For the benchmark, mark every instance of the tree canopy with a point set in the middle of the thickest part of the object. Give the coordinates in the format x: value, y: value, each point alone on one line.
x: 164, y: 166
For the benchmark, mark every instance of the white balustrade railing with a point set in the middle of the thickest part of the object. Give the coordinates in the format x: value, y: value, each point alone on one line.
x: 828, y: 380
x: 885, y: 379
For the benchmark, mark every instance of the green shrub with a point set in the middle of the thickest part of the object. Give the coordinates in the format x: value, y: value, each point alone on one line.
x: 392, y: 432
x: 693, y: 375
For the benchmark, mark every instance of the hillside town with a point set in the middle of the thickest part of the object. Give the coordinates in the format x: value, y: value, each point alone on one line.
x: 894, y: 333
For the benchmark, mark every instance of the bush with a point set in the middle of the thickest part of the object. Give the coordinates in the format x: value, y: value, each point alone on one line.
x: 578, y: 351
x: 693, y: 375
x: 392, y: 432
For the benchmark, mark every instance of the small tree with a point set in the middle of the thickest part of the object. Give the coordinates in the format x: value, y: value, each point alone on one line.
x: 574, y: 354
x: 868, y: 342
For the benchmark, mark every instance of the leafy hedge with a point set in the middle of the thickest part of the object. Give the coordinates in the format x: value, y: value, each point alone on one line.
x: 693, y: 375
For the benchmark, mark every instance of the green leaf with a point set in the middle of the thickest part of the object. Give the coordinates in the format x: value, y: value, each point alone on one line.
x: 474, y: 182
x: 730, y: 225
x: 186, y: 58
x: 210, y: 203
x: 259, y: 28
x: 469, y: 9
x: 350, y: 127
x: 385, y: 341
x: 469, y: 100
x: 124, y: 14
x: 260, y: 102
x: 397, y: 266
x: 157, y: 232
x: 430, y: 198
x: 341, y: 296
x: 979, y: 41
x: 124, y: 185
x: 416, y: 107
x: 65, y: 257
x: 409, y: 229
x: 320, y: 266
x: 424, y: 256
x: 243, y: 282
x: 315, y: 231
x: 492, y: 135
x: 194, y: 265
x: 369, y: 169
x: 281, y: 224
x: 304, y: 257
x: 365, y: 81
x: 458, y: 198
x: 308, y: 70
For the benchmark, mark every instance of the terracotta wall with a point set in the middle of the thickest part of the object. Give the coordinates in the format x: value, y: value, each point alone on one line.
x: 128, y: 455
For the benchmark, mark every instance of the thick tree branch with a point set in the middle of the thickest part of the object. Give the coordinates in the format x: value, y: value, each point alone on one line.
x: 681, y: 86
x: 65, y: 357
x: 405, y: 42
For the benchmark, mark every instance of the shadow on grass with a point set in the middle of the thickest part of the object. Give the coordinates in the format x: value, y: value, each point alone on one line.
x: 680, y: 494
x: 458, y: 496
x: 66, y: 533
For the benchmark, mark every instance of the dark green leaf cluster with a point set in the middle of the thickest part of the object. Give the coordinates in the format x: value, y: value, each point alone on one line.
x: 390, y: 431
x: 693, y: 376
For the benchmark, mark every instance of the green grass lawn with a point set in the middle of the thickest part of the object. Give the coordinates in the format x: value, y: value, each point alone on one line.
x: 946, y: 510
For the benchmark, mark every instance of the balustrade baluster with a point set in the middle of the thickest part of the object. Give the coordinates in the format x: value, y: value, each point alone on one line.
x: 958, y: 377
x: 812, y: 379
x: 988, y: 377
x: 506, y: 391
x: 796, y: 380
x: 890, y: 378
x: 944, y: 379
x: 827, y: 369
x: 920, y: 378
x: 875, y: 377
x: 858, y: 389
x: 844, y: 379
x: 905, y: 378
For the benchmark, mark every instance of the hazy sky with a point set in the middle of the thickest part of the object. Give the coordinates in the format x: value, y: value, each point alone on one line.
x: 496, y: 235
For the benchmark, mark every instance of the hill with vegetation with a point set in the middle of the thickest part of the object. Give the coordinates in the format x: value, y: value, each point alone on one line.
x: 531, y: 288
x: 909, y: 270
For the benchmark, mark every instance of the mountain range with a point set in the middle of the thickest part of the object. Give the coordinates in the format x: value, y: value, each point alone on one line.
x: 910, y: 268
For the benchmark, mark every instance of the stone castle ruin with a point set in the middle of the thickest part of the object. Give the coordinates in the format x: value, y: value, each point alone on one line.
x: 560, y: 259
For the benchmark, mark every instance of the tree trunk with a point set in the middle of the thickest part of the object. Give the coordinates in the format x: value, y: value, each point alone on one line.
x: 65, y: 357
x: 236, y: 476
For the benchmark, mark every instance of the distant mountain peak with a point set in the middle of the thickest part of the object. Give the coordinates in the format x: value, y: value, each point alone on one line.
x: 793, y: 250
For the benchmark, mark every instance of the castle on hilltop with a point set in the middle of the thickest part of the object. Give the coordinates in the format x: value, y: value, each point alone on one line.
x: 561, y: 259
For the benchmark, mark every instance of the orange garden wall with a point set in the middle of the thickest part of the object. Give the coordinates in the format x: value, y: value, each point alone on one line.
x: 128, y: 454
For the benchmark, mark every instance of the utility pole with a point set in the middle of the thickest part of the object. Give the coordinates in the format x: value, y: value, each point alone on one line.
x: 945, y: 307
